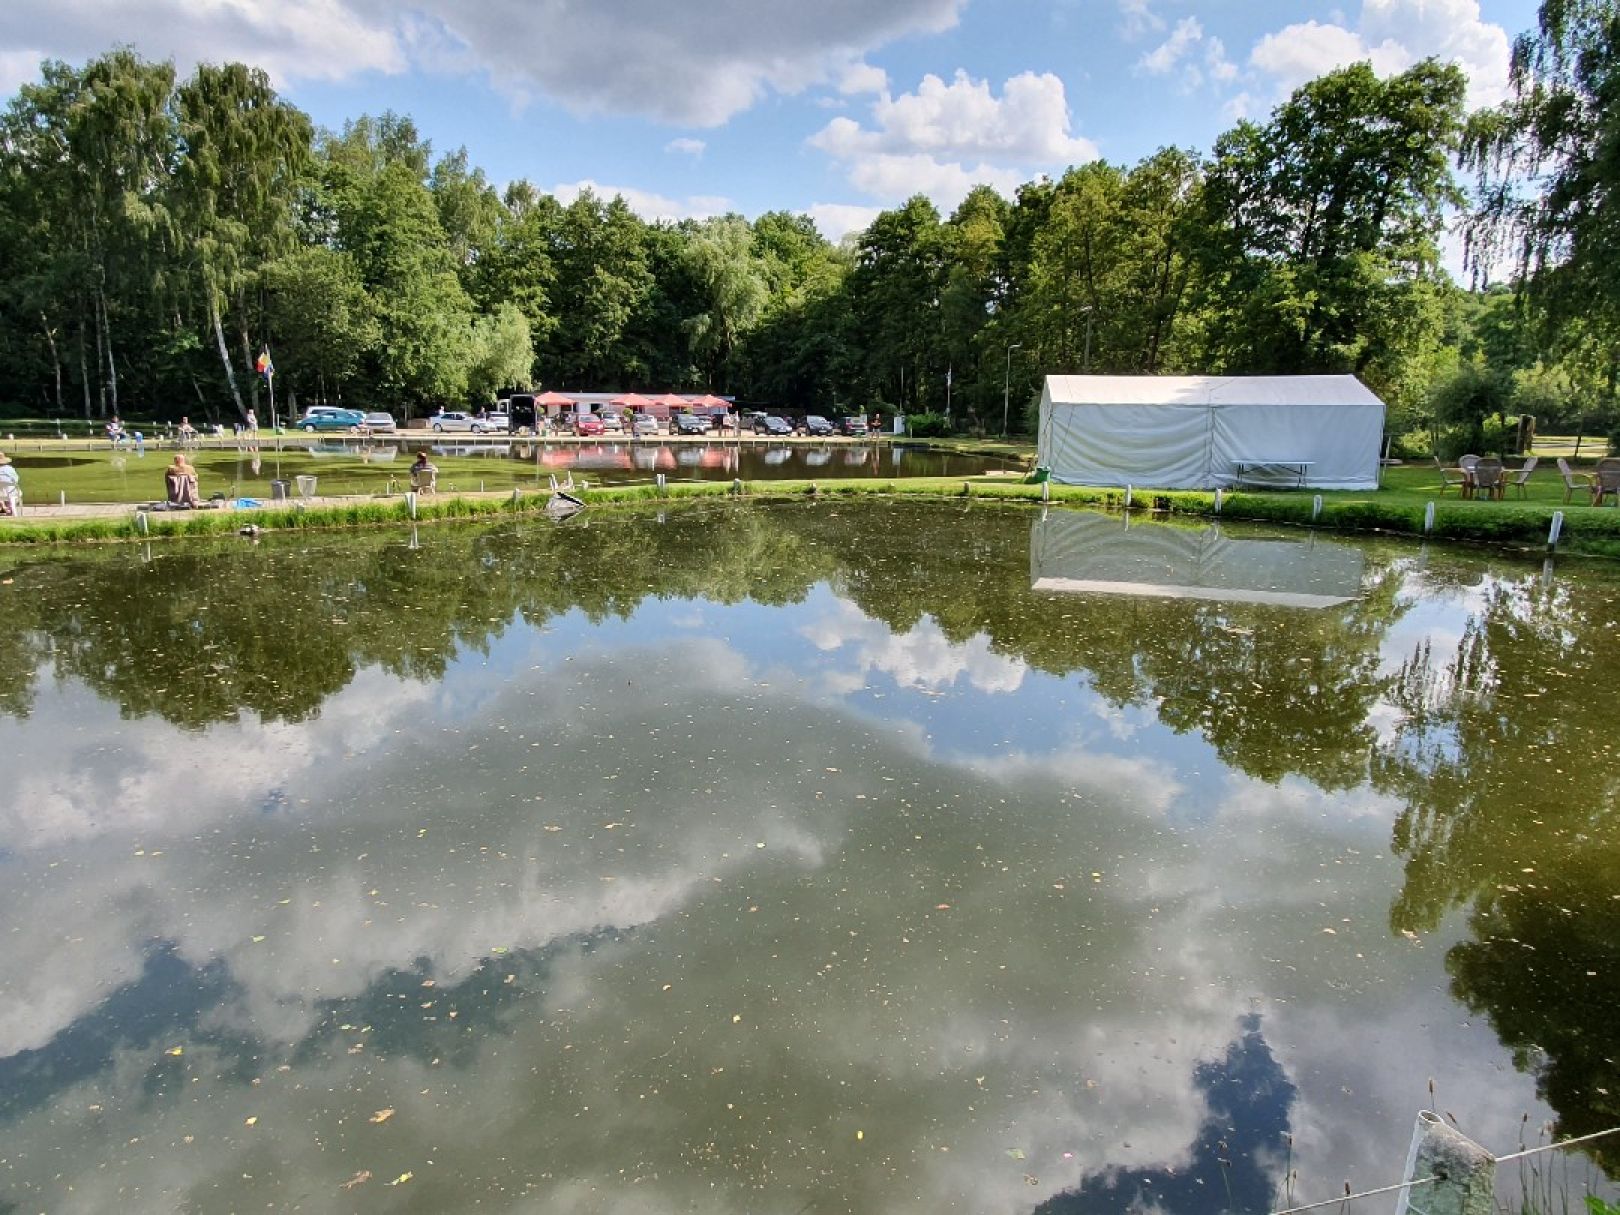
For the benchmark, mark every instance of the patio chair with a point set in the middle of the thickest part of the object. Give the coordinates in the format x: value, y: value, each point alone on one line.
x: 1466, y: 463
x: 1522, y: 477
x: 1450, y: 477
x: 1606, y: 481
x: 1572, y: 479
x: 1490, y: 479
x: 424, y: 480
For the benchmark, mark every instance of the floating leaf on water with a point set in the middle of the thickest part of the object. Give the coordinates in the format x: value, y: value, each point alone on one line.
x: 1016, y: 1153
x: 176, y: 1051
x: 360, y: 1178
x: 383, y: 1115
x: 402, y: 1178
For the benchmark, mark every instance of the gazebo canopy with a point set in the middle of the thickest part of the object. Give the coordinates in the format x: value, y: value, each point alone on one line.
x: 631, y: 400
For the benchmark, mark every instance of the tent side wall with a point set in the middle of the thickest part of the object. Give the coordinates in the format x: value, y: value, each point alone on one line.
x: 1194, y: 444
x: 1163, y: 446
x: 1342, y: 440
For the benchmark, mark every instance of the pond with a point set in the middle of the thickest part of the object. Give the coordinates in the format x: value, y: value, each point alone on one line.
x: 355, y: 467
x: 879, y: 858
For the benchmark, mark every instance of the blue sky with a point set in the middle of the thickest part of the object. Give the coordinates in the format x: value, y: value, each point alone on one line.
x: 838, y: 108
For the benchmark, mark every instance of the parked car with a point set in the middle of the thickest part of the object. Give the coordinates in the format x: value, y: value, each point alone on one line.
x: 380, y: 423
x: 689, y: 424
x: 815, y: 424
x: 587, y: 424
x: 853, y: 426
x: 451, y: 420
x: 612, y: 423
x: 644, y: 424
x: 771, y: 426
x: 491, y: 422
x: 330, y: 417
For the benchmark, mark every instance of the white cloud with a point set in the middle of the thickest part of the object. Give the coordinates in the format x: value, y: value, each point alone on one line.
x: 289, y: 39
x: 1028, y: 124
x: 1392, y: 35
x: 863, y: 78
x: 1188, y: 32
x: 1182, y: 49
x: 837, y: 220
x: 946, y: 138
x: 686, y: 146
x: 648, y: 204
x: 18, y: 68
x: 692, y: 65
x: 1137, y: 20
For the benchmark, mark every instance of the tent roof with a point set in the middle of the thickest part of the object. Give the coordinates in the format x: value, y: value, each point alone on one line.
x: 1209, y: 390
x: 553, y: 398
x: 632, y: 400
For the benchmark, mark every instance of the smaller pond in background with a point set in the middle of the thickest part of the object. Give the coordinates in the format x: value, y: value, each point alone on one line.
x: 352, y: 466
x: 752, y: 461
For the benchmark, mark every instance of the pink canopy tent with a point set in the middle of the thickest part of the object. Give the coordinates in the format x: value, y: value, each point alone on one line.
x: 631, y: 400
x: 553, y: 402
x: 661, y: 406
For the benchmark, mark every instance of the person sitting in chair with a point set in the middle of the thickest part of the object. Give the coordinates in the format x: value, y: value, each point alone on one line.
x: 424, y: 476
x: 10, y: 487
x: 181, y: 480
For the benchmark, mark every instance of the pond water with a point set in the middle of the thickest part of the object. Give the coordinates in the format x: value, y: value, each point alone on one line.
x: 890, y: 858
x: 354, y: 467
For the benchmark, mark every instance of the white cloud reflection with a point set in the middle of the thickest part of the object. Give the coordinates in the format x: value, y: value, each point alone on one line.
x: 768, y: 952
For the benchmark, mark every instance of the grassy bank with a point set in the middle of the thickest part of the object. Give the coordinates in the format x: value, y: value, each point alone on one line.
x: 1398, y: 509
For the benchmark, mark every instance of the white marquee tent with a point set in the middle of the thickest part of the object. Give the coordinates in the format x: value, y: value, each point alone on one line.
x: 1205, y: 432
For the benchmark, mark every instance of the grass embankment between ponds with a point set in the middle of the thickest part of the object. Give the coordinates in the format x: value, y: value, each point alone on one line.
x: 1396, y: 510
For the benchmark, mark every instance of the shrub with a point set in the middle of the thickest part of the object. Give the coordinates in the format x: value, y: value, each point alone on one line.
x: 928, y: 425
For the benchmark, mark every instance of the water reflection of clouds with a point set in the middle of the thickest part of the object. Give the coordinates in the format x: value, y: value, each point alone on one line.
x: 920, y: 951
x: 922, y: 658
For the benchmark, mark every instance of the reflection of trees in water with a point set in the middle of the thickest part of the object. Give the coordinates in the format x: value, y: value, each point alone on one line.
x: 1506, y: 760
x: 1504, y: 754
x: 205, y: 631
x: 1234, y: 1163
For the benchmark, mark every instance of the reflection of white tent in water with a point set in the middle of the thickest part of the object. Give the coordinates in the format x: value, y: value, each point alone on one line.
x: 1086, y: 553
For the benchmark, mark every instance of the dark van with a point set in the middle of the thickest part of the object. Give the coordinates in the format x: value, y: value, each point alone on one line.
x: 520, y: 413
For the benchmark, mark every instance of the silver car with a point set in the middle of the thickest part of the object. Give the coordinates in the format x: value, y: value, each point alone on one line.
x: 380, y: 423
x: 452, y: 421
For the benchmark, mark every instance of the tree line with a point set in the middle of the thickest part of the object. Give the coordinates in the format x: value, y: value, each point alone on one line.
x: 160, y: 233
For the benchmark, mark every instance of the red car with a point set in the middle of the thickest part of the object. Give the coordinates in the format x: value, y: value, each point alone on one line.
x: 587, y: 424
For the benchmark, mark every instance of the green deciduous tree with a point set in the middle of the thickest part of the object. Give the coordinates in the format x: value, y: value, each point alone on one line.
x: 1322, y: 225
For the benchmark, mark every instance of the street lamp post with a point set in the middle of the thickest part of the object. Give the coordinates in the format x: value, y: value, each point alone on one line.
x: 1006, y: 380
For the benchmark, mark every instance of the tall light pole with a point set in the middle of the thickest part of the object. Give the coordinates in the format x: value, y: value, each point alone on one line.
x: 1006, y: 380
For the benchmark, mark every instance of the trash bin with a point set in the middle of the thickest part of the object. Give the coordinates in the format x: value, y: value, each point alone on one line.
x: 278, y: 491
x: 306, y: 487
